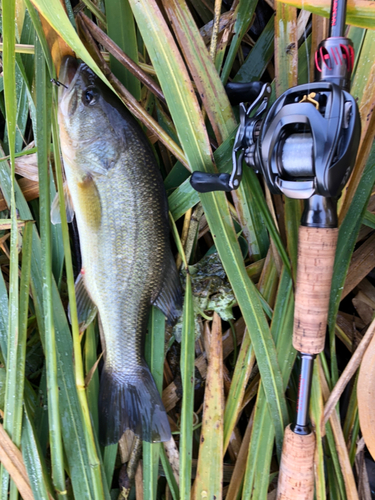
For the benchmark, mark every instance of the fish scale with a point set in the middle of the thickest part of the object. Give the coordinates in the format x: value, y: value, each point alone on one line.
x: 121, y: 208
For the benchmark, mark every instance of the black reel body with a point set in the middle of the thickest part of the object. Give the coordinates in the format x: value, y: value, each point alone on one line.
x: 304, y: 145
x: 308, y: 141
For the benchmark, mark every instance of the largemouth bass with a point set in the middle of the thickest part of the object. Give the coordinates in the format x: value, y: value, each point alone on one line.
x: 121, y: 210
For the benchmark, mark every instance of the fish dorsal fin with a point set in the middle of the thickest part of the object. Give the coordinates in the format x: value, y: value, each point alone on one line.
x: 86, y: 309
x: 169, y: 299
x: 55, y: 207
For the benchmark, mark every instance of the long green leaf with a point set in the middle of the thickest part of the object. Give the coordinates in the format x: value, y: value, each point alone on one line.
x: 240, y: 378
x: 154, y: 355
x: 43, y: 106
x: 259, y: 57
x: 263, y: 434
x: 121, y: 29
x: 359, y: 12
x: 187, y: 376
x: 316, y: 410
x: 202, y: 68
x: 9, y: 59
x: 245, y: 13
x: 34, y: 461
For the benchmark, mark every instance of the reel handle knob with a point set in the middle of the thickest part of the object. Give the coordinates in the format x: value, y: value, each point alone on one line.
x: 205, y: 183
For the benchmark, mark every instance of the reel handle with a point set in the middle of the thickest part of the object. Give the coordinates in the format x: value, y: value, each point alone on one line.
x: 316, y: 255
x: 205, y: 183
x: 296, y: 475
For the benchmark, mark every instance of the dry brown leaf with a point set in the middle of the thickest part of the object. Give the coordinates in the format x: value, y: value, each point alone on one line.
x: 58, y: 48
x: 366, y: 396
x: 239, y: 328
x: 364, y: 307
x: 234, y: 446
x: 240, y: 465
x: 363, y: 261
x: 173, y: 456
x: 226, y: 20
x: 11, y: 458
x: 139, y: 482
x: 348, y: 373
x: 364, y: 490
x: 346, y: 469
x: 92, y: 370
x: 27, y: 166
x: 30, y: 190
x: 209, y: 477
x: 171, y: 395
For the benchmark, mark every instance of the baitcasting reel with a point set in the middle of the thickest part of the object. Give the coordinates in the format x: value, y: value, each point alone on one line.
x: 306, y: 143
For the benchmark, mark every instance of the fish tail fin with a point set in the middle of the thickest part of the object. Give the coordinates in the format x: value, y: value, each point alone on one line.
x: 131, y: 401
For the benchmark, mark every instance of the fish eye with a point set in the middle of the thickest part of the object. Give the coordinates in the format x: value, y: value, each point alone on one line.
x: 89, y: 96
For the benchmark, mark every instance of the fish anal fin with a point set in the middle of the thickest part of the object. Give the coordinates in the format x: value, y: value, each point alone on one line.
x: 86, y: 309
x: 131, y: 401
x: 55, y: 207
x: 169, y: 299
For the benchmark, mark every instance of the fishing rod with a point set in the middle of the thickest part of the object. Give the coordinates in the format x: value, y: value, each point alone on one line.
x: 305, y: 145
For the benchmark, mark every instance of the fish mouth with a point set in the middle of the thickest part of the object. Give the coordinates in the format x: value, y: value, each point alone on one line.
x: 67, y: 76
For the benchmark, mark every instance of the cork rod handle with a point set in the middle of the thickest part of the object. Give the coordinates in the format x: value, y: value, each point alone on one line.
x: 316, y: 255
x: 296, y: 475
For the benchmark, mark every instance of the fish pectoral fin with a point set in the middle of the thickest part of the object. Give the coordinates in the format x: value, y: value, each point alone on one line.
x: 169, y: 299
x: 86, y: 309
x: 55, y: 207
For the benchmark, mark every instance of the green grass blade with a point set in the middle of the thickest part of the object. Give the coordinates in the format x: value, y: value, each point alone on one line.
x: 172, y: 483
x: 202, y: 68
x: 260, y: 449
x: 369, y: 219
x: 259, y: 57
x: 16, y: 355
x: 57, y: 242
x: 34, y: 461
x: 43, y: 108
x: 360, y: 14
x: 335, y: 461
x: 92, y: 390
x: 4, y: 303
x: 245, y: 13
x: 121, y: 29
x: 154, y: 355
x: 187, y: 376
x: 316, y: 411
x: 244, y: 365
x: 292, y: 222
x: 263, y: 434
x: 109, y: 461
x: 251, y: 221
x: 262, y: 207
x: 9, y: 60
x: 286, y: 61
